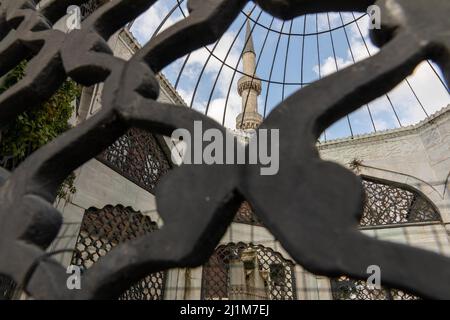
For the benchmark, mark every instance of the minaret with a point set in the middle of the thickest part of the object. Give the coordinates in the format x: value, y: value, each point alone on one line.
x: 249, y: 87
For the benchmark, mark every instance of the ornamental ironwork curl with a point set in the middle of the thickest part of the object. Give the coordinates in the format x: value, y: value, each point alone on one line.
x: 319, y: 232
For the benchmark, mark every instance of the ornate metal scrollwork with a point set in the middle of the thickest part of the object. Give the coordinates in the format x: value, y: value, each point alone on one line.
x: 319, y: 233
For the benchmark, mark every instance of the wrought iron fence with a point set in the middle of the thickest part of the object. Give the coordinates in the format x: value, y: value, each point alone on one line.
x: 288, y: 203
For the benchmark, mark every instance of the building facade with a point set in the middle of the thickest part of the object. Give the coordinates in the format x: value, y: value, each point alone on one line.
x: 405, y: 173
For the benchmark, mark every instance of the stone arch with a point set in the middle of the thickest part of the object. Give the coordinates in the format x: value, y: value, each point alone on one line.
x: 238, y: 271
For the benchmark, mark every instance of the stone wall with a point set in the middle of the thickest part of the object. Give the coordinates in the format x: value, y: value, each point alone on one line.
x: 418, y: 156
x: 97, y: 185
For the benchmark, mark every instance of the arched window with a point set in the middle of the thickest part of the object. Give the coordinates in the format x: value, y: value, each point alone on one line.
x: 246, y: 271
x: 390, y: 202
x: 138, y: 156
x: 386, y: 203
x: 101, y: 230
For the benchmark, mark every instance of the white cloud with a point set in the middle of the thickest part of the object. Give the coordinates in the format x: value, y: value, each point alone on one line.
x: 424, y: 82
x: 428, y: 89
x: 329, y: 66
x: 143, y: 29
x: 216, y: 110
x: 145, y: 26
x: 325, y: 21
x: 199, y: 57
x: 192, y: 71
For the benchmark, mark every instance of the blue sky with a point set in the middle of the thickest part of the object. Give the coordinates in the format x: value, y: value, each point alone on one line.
x: 429, y: 90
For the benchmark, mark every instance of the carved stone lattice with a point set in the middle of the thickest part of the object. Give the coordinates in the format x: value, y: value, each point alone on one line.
x: 138, y: 156
x: 280, y: 278
x: 102, y: 230
x: 347, y: 289
x: 389, y: 203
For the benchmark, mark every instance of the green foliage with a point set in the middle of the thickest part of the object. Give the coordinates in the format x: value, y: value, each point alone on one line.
x: 37, y: 126
x: 67, y: 188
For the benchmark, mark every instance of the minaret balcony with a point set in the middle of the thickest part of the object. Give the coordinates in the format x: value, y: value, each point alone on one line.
x: 252, y: 120
x: 248, y: 83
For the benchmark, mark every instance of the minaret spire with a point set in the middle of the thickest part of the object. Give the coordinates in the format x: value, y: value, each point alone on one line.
x: 249, y: 86
x: 249, y: 47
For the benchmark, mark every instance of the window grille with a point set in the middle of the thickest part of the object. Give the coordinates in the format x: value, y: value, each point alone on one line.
x: 102, y: 230
x: 276, y: 272
x: 348, y: 289
x: 139, y: 157
x: 391, y: 203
